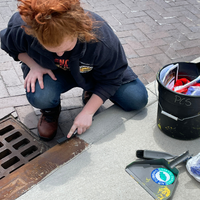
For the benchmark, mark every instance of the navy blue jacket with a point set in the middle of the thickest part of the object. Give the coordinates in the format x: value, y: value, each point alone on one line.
x: 106, y: 58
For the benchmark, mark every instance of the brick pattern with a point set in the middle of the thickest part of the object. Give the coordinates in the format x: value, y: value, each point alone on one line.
x: 153, y: 33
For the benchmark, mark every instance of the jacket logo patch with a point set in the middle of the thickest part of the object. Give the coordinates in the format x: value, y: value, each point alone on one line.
x: 85, y: 69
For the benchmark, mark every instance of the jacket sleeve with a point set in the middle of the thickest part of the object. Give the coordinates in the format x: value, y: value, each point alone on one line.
x: 110, y: 64
x: 14, y: 40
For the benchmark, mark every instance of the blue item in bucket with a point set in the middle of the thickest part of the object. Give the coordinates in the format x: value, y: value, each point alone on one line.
x: 194, y: 91
x: 195, y: 170
x: 193, y: 166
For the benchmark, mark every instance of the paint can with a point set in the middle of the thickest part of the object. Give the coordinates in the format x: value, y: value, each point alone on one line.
x: 178, y: 115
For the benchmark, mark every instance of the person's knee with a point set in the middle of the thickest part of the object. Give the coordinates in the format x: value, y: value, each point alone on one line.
x: 42, y: 100
x: 138, y: 102
x: 142, y: 101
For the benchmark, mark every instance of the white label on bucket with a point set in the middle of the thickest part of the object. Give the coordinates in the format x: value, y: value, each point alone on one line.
x: 162, y: 176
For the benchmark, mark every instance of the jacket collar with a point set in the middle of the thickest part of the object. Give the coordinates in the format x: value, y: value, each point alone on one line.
x: 77, y: 52
x: 40, y: 49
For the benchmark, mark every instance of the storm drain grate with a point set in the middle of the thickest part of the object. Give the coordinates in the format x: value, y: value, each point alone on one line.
x: 17, y: 146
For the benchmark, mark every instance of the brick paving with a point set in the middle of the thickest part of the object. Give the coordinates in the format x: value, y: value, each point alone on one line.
x: 153, y: 33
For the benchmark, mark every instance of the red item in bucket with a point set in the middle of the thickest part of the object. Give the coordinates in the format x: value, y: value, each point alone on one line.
x: 183, y: 81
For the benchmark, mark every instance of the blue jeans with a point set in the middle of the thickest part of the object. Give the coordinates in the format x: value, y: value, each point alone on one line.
x: 129, y: 96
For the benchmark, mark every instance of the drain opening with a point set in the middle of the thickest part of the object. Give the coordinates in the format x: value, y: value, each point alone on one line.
x: 21, y: 144
x: 1, y: 144
x: 10, y: 162
x: 16, y: 168
x: 5, y: 153
x: 29, y: 151
x: 18, y: 146
x: 6, y: 129
x: 14, y: 136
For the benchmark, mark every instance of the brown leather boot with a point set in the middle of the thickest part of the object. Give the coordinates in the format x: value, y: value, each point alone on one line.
x: 48, y: 123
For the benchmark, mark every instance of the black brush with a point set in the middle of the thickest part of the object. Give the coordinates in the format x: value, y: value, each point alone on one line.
x: 148, y: 154
x: 64, y: 139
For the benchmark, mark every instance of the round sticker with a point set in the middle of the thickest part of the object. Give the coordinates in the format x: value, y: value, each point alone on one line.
x: 162, y: 176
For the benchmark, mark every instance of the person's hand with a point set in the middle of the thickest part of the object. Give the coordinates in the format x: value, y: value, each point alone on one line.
x: 84, y: 119
x: 82, y: 122
x: 36, y: 73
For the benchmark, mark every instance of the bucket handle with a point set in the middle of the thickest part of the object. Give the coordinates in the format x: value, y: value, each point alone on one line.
x: 174, y: 117
x: 169, y: 115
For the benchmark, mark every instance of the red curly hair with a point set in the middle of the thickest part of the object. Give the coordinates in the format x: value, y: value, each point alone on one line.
x: 50, y: 21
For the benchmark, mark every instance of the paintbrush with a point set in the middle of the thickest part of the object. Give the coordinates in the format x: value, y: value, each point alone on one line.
x: 148, y: 154
x: 65, y: 138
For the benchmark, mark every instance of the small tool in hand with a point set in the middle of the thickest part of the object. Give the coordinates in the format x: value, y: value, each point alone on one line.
x: 64, y: 139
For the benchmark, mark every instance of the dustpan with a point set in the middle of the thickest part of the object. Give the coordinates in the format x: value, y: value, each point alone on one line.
x: 158, y: 177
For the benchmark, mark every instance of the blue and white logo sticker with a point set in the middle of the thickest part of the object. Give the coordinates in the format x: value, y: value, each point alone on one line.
x: 162, y: 176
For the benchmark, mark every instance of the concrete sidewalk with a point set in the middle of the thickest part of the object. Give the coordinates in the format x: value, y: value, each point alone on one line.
x: 99, y: 172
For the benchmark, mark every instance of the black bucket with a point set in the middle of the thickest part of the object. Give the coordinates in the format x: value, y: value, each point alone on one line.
x: 178, y: 115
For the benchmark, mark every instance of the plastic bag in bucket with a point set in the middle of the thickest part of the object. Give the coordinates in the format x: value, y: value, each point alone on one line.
x: 178, y: 115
